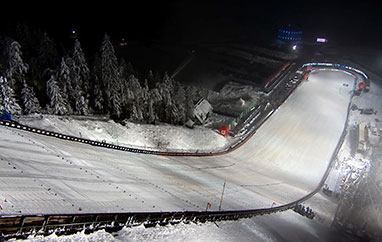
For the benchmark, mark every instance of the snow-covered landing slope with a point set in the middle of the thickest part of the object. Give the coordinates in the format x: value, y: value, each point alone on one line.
x: 282, y: 162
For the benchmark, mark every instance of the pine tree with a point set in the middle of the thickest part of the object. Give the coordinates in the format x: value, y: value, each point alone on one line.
x: 137, y: 98
x: 82, y: 106
x: 58, y: 104
x: 31, y: 103
x: 65, y: 84
x: 17, y: 69
x: 98, y: 98
x: 72, y: 82
x: 75, y: 90
x: 24, y: 37
x: 46, y: 59
x: 47, y: 53
x: 110, y: 75
x: 167, y: 111
x: 146, y: 90
x: 80, y: 75
x: 125, y: 92
x: 150, y: 78
x: 9, y: 102
x: 145, y: 100
x: 136, y: 114
x: 180, y: 103
x: 190, y: 99
x: 131, y: 71
x: 153, y: 105
x: 115, y: 103
x: 81, y: 67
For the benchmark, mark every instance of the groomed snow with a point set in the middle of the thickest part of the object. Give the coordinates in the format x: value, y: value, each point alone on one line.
x: 282, y: 162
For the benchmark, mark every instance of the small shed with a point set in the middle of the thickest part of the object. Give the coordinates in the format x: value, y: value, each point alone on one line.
x: 202, y: 110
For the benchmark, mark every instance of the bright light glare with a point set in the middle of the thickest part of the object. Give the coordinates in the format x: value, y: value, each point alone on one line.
x: 73, y: 31
x: 294, y: 47
x: 321, y: 40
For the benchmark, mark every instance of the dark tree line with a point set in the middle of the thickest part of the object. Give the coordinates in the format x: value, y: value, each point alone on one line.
x: 35, y: 75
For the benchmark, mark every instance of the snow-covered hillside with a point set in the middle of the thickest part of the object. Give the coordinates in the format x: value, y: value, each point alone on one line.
x: 282, y: 162
x: 146, y: 136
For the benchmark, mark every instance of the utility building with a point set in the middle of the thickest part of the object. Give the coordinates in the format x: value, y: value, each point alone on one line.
x: 202, y: 110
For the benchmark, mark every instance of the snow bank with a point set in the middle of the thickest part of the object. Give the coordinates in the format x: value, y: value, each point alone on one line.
x: 160, y: 137
x: 99, y: 236
x: 286, y: 226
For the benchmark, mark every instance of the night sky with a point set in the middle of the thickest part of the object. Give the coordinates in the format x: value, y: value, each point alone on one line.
x: 183, y: 20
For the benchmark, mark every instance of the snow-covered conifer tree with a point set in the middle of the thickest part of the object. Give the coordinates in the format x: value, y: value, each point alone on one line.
x: 153, y: 102
x: 47, y: 53
x: 16, y: 67
x: 9, y: 102
x: 110, y: 75
x: 30, y: 101
x: 81, y: 67
x: 150, y: 78
x: 136, y: 114
x: 82, y: 106
x: 58, y: 103
x: 24, y: 37
x: 75, y: 89
x: 115, y: 103
x: 167, y: 110
x: 46, y: 59
x: 145, y: 100
x: 146, y: 91
x: 180, y: 103
x: 64, y: 82
x: 123, y: 69
x: 139, y: 96
x: 124, y: 82
x: 191, y: 97
x: 98, y: 98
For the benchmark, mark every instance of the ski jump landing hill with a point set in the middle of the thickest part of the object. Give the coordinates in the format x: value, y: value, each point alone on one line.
x: 45, y: 181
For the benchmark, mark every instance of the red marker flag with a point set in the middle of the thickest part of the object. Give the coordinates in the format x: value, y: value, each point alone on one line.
x: 208, y: 206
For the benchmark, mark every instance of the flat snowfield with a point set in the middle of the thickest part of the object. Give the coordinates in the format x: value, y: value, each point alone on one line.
x: 282, y: 162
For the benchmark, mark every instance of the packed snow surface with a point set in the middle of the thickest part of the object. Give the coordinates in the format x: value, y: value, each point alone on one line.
x: 282, y: 162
